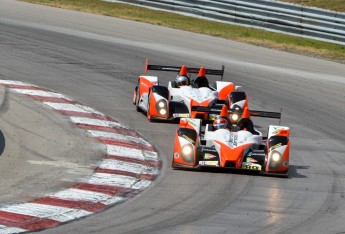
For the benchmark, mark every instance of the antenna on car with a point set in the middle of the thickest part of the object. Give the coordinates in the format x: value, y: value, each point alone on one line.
x: 280, y: 119
x: 223, y: 68
x: 146, y: 65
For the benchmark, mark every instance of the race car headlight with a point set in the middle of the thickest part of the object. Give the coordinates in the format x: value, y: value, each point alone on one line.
x: 161, y: 104
x: 162, y: 112
x: 162, y: 107
x: 276, y: 156
x: 234, y: 117
x: 187, y: 153
x: 276, y: 160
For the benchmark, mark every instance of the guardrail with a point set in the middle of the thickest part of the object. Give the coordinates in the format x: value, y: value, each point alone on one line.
x: 274, y: 16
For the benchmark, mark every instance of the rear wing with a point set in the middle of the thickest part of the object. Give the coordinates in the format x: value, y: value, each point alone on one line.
x: 254, y: 113
x: 177, y: 69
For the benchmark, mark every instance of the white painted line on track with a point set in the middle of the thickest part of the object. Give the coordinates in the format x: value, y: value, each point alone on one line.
x: 83, y: 195
x: 9, y: 230
x: 131, y: 153
x: 102, y: 123
x: 112, y: 164
x: 41, y: 93
x: 65, y: 107
x: 117, y: 180
x: 110, y: 135
x: 60, y: 214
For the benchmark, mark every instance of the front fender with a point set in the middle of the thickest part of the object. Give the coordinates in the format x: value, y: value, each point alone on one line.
x: 158, y: 102
x: 224, y: 89
x: 277, y: 154
x: 186, y: 142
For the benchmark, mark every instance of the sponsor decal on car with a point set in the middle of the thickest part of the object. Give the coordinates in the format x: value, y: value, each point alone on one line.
x: 251, y: 160
x: 180, y: 115
x: 188, y: 139
x: 207, y: 150
x: 251, y: 166
x: 209, y: 156
x: 286, y: 164
x: 176, y: 155
x: 276, y: 146
x: 209, y: 163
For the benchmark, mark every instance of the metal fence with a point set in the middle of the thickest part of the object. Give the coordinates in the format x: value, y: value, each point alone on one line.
x: 274, y: 16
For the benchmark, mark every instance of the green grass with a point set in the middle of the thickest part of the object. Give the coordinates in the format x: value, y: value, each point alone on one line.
x: 247, y: 35
x: 334, y: 5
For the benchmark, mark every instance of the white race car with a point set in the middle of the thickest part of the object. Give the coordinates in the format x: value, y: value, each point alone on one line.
x: 239, y: 146
x: 177, y: 101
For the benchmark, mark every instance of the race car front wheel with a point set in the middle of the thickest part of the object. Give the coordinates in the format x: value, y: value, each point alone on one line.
x: 148, y: 107
x: 137, y: 96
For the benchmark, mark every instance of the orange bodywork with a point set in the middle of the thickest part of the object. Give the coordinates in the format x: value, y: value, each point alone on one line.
x: 226, y: 91
x: 185, y: 124
x: 177, y: 152
x: 283, y: 132
x: 246, y: 113
x: 134, y: 96
x: 233, y: 155
x: 144, y: 85
x: 205, y: 103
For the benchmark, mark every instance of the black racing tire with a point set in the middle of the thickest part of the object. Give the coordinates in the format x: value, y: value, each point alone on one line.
x: 137, y: 100
x: 148, y: 107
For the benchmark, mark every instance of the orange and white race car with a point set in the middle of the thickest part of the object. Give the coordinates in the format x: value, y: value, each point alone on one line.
x: 181, y: 95
x: 239, y: 146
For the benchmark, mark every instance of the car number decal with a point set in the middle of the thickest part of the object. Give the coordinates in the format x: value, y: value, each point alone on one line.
x: 251, y: 166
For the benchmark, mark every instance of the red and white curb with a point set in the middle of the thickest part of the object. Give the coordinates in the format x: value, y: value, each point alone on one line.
x: 130, y: 165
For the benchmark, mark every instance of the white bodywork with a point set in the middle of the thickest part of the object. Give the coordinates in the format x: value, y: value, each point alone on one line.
x: 274, y: 130
x: 186, y: 94
x: 144, y: 98
x: 231, y: 139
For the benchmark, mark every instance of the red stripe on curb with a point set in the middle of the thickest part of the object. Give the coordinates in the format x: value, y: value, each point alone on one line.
x: 123, y: 131
x: 118, y: 193
x: 86, y: 115
x: 127, y: 173
x: 18, y: 86
x: 25, y: 221
x: 106, y: 189
x: 127, y: 144
x: 84, y: 205
x: 150, y: 163
x: 51, y: 99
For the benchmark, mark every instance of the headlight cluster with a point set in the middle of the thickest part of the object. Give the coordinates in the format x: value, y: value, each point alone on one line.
x: 234, y: 118
x: 276, y: 156
x: 187, y: 153
x: 276, y: 160
x: 162, y: 107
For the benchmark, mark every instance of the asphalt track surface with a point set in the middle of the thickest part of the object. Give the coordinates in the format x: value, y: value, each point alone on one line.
x: 96, y: 60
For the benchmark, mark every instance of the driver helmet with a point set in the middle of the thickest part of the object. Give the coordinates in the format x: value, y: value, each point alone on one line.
x: 182, y: 78
x: 220, y: 123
